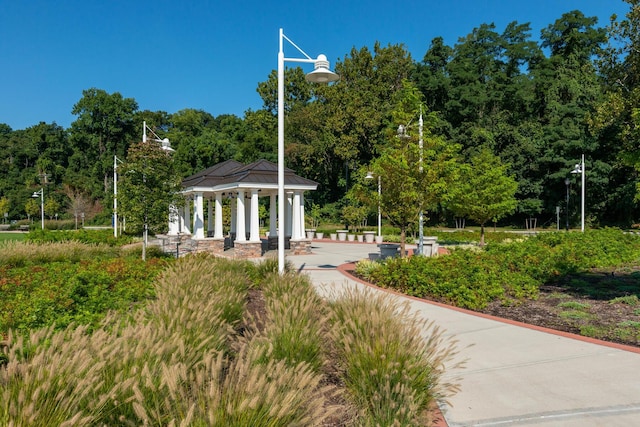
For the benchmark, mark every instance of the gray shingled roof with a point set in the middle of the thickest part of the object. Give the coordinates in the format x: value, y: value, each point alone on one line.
x: 231, y: 174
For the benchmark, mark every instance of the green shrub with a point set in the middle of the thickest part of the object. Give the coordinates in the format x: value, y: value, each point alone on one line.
x: 505, y: 271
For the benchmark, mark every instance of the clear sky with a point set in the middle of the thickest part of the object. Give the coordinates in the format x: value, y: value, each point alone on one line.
x: 211, y: 55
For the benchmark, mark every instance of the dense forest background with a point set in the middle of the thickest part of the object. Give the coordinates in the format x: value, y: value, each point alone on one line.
x: 538, y: 103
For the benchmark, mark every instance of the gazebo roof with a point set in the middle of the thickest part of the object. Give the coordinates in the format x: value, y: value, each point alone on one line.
x: 231, y: 174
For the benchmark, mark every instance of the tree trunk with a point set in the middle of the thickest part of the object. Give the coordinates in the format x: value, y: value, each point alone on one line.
x: 481, y: 234
x: 403, y: 238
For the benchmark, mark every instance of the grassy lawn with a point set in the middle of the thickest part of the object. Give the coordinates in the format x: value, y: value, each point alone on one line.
x: 12, y: 236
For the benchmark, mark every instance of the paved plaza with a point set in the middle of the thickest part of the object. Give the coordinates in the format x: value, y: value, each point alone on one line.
x: 514, y: 375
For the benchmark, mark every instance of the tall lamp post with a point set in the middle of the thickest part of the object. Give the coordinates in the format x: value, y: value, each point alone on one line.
x: 115, y: 195
x: 402, y: 133
x: 40, y: 194
x: 579, y: 168
x: 166, y: 146
x: 567, y: 182
x: 320, y: 74
x: 370, y: 176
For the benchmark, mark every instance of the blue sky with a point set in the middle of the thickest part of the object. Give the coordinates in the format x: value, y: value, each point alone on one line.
x: 211, y: 55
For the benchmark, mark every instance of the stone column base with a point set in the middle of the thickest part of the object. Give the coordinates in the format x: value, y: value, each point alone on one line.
x: 208, y: 245
x: 300, y: 247
x: 273, y: 242
x: 247, y: 249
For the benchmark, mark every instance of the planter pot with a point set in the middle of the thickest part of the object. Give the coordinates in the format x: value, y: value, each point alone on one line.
x: 369, y: 236
x: 333, y: 236
x: 310, y: 234
x: 342, y: 235
x: 360, y: 238
x: 319, y: 235
x: 379, y: 239
x: 351, y: 237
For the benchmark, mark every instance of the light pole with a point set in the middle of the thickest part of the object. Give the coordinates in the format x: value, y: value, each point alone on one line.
x: 115, y: 195
x: 567, y: 182
x: 579, y: 168
x: 166, y: 146
x: 402, y: 133
x: 320, y: 74
x: 40, y: 194
x: 370, y: 176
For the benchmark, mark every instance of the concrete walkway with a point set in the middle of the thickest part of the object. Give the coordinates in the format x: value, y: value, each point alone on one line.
x: 514, y: 375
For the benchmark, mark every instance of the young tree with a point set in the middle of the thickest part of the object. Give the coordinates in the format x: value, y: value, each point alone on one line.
x: 32, y: 208
x: 4, y: 206
x: 484, y: 192
x: 147, y: 186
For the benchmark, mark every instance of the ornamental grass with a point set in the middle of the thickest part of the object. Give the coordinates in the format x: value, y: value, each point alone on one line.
x: 198, y: 355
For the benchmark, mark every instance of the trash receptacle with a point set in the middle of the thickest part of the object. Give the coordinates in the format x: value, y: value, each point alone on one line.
x: 388, y: 250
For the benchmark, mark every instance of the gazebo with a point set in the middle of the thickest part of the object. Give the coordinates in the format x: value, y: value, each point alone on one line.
x: 243, y: 185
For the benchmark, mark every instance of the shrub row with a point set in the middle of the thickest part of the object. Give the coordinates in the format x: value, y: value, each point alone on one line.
x: 506, y: 271
x: 102, y: 236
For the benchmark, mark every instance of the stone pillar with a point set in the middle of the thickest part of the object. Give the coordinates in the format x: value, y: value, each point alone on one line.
x: 218, y: 230
x: 255, y: 217
x: 241, y: 234
x: 198, y: 216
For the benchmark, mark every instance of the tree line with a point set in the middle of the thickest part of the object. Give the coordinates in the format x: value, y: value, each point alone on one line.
x: 498, y: 99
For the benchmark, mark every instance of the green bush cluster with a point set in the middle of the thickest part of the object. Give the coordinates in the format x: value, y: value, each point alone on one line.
x: 89, y: 236
x: 506, y: 271
x: 47, y: 286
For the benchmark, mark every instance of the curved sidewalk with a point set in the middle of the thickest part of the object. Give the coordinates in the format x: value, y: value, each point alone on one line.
x: 514, y: 375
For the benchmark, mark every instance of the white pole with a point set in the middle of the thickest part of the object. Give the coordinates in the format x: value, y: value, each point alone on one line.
x: 379, y: 213
x: 583, y: 190
x: 42, y: 207
x: 281, y: 228
x: 115, y: 196
x: 421, y: 219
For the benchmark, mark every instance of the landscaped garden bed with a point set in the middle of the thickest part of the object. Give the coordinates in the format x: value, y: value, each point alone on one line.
x: 583, y: 283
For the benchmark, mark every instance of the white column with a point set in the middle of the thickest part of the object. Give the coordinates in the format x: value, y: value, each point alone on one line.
x: 247, y: 213
x: 198, y: 216
x: 209, y: 217
x: 241, y: 235
x: 218, y: 230
x: 295, y: 234
x: 234, y: 208
x: 187, y: 216
x: 287, y: 219
x: 174, y: 220
x: 255, y: 217
x: 303, y: 233
x: 273, y: 216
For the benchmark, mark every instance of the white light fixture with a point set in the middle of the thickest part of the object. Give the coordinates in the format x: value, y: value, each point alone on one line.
x: 320, y: 74
x: 40, y: 194
x: 164, y: 143
x: 370, y: 176
x: 579, y: 168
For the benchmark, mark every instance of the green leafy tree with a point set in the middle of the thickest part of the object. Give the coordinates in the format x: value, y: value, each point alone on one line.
x: 485, y: 192
x: 51, y: 207
x: 147, y: 187
x: 4, y: 206
x: 104, y: 127
x: 32, y: 208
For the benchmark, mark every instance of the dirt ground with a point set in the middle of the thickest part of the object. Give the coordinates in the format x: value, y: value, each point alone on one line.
x: 601, y: 304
